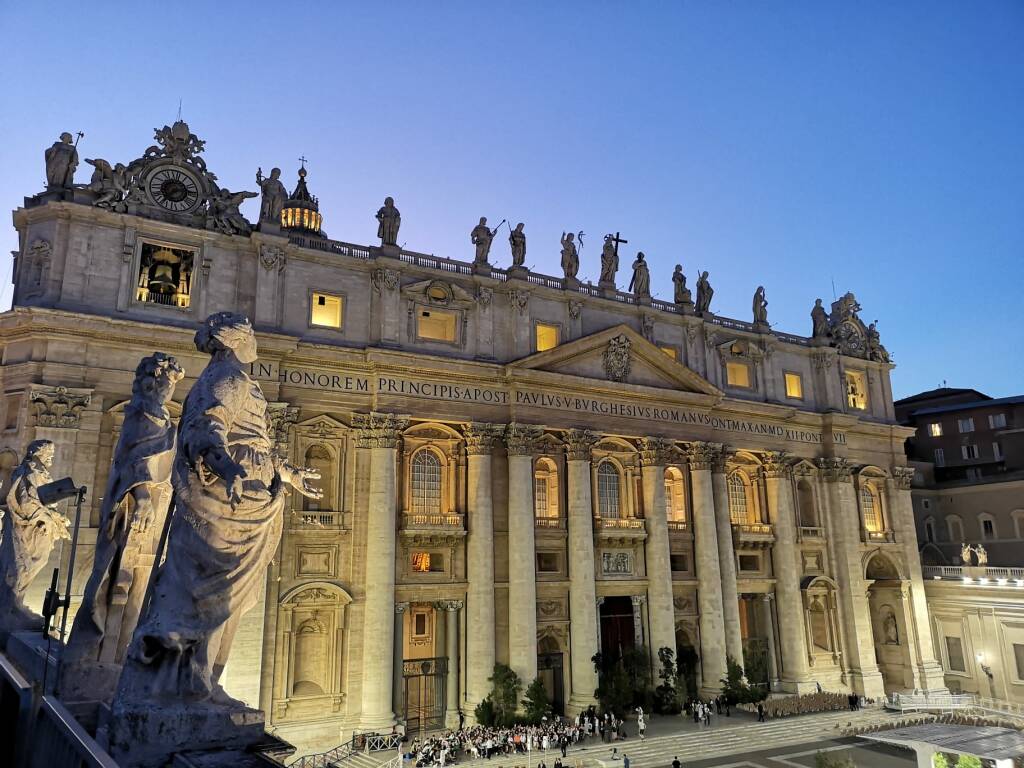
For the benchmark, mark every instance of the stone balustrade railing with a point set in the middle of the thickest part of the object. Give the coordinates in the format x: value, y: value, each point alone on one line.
x: 678, y: 526
x: 619, y: 523
x: 811, y: 532
x: 555, y: 523
x: 449, y: 520
x: 320, y: 518
x: 997, y: 576
x: 879, y: 537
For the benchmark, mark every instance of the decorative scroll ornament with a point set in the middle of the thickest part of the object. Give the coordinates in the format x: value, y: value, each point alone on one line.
x: 281, y: 417
x: 902, y: 477
x: 58, y: 406
x: 37, y: 264
x: 272, y: 257
x: 775, y: 464
x: 616, y: 358
x: 519, y: 300
x: 484, y: 296
x: 574, y: 309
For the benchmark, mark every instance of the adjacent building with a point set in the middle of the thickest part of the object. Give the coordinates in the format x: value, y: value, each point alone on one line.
x: 516, y: 467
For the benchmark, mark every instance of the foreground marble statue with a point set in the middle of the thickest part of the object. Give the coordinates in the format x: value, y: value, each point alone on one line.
x: 132, y: 520
x: 226, y: 525
x: 28, y: 531
x: 61, y: 162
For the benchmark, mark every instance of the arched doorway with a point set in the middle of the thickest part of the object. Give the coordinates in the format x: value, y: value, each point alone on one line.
x: 688, y: 661
x: 618, y: 633
x: 888, y: 622
x: 549, y: 669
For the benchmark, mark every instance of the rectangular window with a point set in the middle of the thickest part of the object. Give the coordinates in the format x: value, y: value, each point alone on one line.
x: 988, y: 529
x: 969, y: 451
x: 794, y: 386
x: 750, y: 563
x: 680, y: 563
x: 973, y: 473
x: 857, y: 390
x: 996, y: 420
x: 547, y: 336
x: 965, y: 425
x: 12, y: 407
x: 997, y: 451
x: 1018, y: 655
x: 671, y: 352
x: 737, y: 375
x: 940, y: 457
x: 955, y: 654
x: 547, y: 562
x: 165, y: 275
x: 935, y: 429
x: 325, y: 310
x: 436, y: 324
x: 421, y: 562
x: 420, y: 625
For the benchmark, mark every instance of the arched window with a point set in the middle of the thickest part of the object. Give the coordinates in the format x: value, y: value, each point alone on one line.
x: 739, y: 509
x: 426, y: 483
x: 545, y: 489
x: 320, y: 459
x: 805, y: 501
x: 955, y: 527
x: 608, y: 482
x: 675, y: 497
x: 870, y: 509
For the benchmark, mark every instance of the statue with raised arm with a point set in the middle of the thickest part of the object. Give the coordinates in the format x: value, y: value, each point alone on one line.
x: 28, y: 533
x: 110, y: 183
x: 229, y: 497
x: 609, y: 261
x: 389, y: 220
x: 680, y: 292
x: 704, y: 294
x: 760, y: 306
x: 481, y: 237
x: 225, y: 213
x: 61, y: 162
x: 640, y: 284
x: 876, y: 351
x: 132, y: 519
x: 517, y: 239
x: 570, y: 257
x: 819, y: 321
x: 274, y: 195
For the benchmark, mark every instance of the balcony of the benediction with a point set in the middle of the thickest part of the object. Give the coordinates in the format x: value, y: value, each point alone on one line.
x: 878, y: 537
x: 753, y: 534
x: 441, y: 527
x: 610, y: 529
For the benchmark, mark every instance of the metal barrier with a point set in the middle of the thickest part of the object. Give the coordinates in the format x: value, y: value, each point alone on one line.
x: 950, y: 702
x: 362, y: 742
x: 58, y: 741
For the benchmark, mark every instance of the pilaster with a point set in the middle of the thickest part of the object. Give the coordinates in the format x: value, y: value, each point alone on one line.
x: 727, y: 561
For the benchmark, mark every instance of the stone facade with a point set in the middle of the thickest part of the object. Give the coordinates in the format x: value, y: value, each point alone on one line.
x: 486, y: 499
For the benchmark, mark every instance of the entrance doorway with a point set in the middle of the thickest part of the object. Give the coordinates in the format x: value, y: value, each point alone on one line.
x: 617, y: 630
x: 423, y: 683
x: 888, y: 624
x: 549, y: 669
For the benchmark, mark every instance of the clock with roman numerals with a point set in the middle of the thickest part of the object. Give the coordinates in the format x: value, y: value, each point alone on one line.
x: 174, y: 188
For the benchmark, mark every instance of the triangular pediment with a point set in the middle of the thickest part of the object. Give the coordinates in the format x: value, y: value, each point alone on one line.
x: 620, y: 355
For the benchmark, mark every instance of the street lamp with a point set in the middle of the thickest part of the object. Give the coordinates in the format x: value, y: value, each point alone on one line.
x: 988, y: 673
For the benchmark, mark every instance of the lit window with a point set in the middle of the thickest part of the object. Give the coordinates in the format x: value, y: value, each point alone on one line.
x: 421, y: 562
x: 545, y: 489
x: 966, y: 425
x: 997, y: 452
x: 996, y: 420
x: 607, y: 490
x: 856, y: 390
x: 969, y: 451
x: 436, y: 324
x: 869, y: 506
x: 738, y: 509
x: 675, y: 498
x: 940, y: 457
x: 794, y: 386
x: 935, y: 429
x: 547, y: 336
x: 737, y: 375
x: 325, y: 311
x: 671, y: 352
x: 426, y: 483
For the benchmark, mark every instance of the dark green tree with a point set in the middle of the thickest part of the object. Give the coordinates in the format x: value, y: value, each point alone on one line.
x: 735, y: 687
x: 536, y: 703
x: 505, y: 688
x: 668, y: 696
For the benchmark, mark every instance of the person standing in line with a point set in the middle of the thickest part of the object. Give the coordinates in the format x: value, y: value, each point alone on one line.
x: 676, y: 763
x: 625, y: 760
x: 462, y: 720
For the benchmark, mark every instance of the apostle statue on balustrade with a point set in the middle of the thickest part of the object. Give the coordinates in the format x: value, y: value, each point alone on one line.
x: 274, y: 195
x: 389, y: 220
x: 704, y: 294
x: 517, y: 240
x: 481, y: 237
x: 640, y: 284
x: 760, y: 306
x: 61, y: 162
x: 570, y: 257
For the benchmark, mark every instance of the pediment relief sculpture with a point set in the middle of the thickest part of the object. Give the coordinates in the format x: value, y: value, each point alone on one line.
x: 439, y: 293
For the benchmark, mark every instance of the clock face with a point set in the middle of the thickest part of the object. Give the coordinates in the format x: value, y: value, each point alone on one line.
x: 174, y: 189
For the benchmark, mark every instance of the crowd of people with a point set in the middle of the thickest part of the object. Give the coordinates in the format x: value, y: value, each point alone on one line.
x: 702, y: 710
x: 822, y: 701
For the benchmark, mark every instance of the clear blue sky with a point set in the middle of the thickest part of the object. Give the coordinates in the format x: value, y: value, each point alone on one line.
x: 790, y: 144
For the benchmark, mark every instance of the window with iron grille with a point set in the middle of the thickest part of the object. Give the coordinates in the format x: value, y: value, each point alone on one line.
x: 426, y: 483
x: 608, y: 489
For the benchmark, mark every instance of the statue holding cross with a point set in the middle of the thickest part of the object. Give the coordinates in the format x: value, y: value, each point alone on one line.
x: 610, y: 260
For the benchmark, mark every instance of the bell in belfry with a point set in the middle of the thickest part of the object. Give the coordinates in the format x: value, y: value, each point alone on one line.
x: 161, y: 273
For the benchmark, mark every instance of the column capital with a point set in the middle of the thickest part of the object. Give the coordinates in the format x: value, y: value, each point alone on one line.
x: 448, y: 605
x: 401, y: 607
x: 480, y: 437
x: 379, y: 430
x: 638, y: 600
x: 599, y: 601
x: 578, y: 444
x: 706, y: 456
x: 655, y: 451
x: 521, y: 439
x: 902, y: 477
x: 775, y: 464
x: 835, y: 469
x: 767, y: 597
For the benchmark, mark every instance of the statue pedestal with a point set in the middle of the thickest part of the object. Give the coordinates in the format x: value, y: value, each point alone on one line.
x: 518, y: 273
x: 570, y: 283
x: 387, y: 251
x: 762, y: 328
x: 270, y: 228
x: 483, y: 268
x: 146, y: 734
x: 89, y: 681
x: 685, y: 307
x: 608, y: 288
x: 644, y: 301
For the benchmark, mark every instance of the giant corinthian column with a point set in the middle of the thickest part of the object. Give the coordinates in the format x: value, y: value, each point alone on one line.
x: 727, y: 562
x: 480, y: 439
x: 582, y: 603
x: 380, y: 434
x: 786, y: 560
x: 521, y: 440
x: 654, y: 454
x: 709, y: 577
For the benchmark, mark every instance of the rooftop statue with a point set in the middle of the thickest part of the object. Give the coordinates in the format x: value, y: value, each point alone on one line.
x: 132, y: 519
x: 819, y: 321
x: 517, y: 239
x: 681, y: 293
x: 610, y: 261
x: 640, y: 284
x: 390, y: 220
x: 29, y: 530
x: 230, y: 490
x: 224, y: 213
x: 109, y: 183
x: 570, y: 257
x: 876, y: 351
x: 704, y: 294
x: 178, y: 143
x: 481, y: 237
x: 274, y: 195
x: 760, y: 306
x: 61, y: 162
